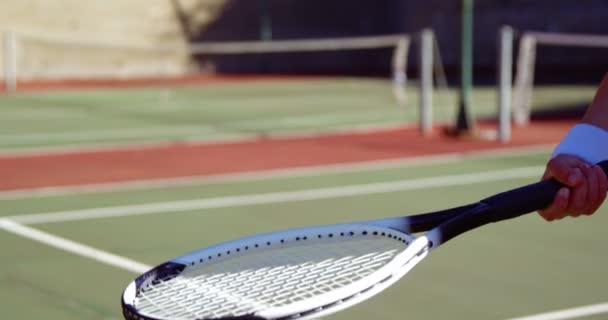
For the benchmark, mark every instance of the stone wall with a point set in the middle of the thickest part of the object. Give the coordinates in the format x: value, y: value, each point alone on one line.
x: 74, y: 38
x: 152, y: 23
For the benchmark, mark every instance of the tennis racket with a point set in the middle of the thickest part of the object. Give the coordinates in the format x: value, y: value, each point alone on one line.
x: 311, y: 272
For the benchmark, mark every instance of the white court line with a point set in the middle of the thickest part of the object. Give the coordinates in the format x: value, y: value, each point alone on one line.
x: 143, y: 132
x: 278, y: 197
x: 288, y: 127
x: 571, y: 313
x: 218, y: 137
x: 374, y: 165
x: 73, y: 247
x: 8, y: 139
x: 138, y: 268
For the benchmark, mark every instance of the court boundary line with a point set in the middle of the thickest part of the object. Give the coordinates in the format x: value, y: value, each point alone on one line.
x: 569, y: 313
x: 195, y: 140
x: 136, y: 267
x: 74, y: 247
x: 278, y: 197
x: 105, y: 134
x: 82, y: 250
x: 151, y: 184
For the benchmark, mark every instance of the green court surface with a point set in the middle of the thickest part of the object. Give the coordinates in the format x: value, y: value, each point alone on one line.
x: 511, y: 269
x: 231, y: 110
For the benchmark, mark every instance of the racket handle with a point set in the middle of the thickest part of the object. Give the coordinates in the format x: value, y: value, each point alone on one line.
x: 530, y: 198
x: 503, y: 206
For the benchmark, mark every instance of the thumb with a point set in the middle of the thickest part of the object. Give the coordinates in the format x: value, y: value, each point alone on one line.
x: 566, y: 169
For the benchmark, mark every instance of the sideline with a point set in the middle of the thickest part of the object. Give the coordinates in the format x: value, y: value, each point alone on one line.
x: 82, y: 142
x: 137, y: 267
x: 278, y: 197
x: 73, y: 247
x: 374, y: 165
x: 571, y: 313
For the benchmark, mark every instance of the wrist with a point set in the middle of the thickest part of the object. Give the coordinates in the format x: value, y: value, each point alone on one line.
x: 585, y: 141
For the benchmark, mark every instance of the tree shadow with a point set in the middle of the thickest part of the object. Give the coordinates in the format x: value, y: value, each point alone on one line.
x: 256, y: 20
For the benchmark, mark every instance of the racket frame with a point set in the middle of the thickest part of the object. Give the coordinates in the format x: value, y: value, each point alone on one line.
x: 415, y: 249
x: 441, y: 226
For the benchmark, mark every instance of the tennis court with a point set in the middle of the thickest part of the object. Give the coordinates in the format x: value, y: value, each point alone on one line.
x: 134, y: 133
x: 507, y: 270
x: 234, y: 110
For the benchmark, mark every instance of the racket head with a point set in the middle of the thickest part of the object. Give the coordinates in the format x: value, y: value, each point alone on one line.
x: 297, y: 274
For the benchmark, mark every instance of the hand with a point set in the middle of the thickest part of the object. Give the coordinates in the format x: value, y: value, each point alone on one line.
x: 585, y: 189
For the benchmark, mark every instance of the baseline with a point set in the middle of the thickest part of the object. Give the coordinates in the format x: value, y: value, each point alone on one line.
x: 278, y: 197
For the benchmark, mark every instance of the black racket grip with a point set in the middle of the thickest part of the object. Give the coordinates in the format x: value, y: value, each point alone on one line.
x: 530, y: 198
x: 507, y: 205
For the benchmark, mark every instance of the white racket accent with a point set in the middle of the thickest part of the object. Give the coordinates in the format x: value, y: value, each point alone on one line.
x: 311, y: 272
x: 364, y: 289
x: 300, y: 273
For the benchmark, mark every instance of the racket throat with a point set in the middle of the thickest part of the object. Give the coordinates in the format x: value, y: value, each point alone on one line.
x: 414, y: 253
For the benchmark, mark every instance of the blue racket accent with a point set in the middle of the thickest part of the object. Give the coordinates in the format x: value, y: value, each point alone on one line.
x: 503, y: 206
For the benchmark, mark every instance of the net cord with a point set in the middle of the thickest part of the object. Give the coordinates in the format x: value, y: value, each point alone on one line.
x: 399, y: 42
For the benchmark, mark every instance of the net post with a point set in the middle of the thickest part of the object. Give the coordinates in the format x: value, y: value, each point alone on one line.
x: 505, y: 67
x: 464, y: 121
x: 10, y: 61
x: 438, y: 70
x: 426, y: 82
x: 399, y: 67
x: 522, y: 98
x: 399, y: 60
x: 265, y: 21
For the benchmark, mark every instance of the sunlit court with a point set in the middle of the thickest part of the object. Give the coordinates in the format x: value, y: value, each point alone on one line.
x: 133, y: 135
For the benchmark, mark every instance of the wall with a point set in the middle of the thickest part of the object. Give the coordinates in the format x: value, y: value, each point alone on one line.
x: 48, y: 30
x: 569, y: 16
x: 328, y: 18
x: 175, y: 22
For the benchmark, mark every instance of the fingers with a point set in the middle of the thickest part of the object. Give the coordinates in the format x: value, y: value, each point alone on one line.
x: 566, y: 169
x: 560, y: 204
x: 585, y: 190
x: 582, y: 193
x: 597, y: 190
x: 593, y: 191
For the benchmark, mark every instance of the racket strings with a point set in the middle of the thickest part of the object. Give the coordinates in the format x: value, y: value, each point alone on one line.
x: 263, y: 279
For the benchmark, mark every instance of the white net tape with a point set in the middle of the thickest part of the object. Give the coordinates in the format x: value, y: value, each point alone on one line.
x: 524, y: 79
x: 41, y: 56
